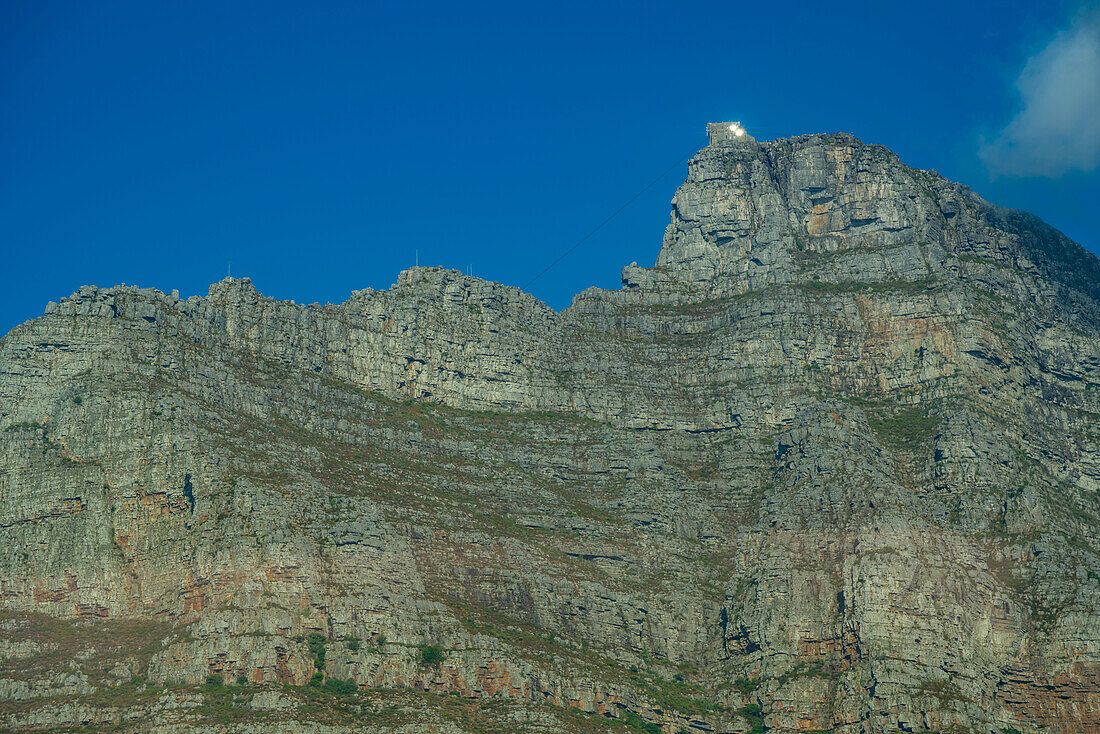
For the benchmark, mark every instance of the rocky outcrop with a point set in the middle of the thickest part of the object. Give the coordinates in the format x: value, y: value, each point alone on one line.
x: 831, y: 465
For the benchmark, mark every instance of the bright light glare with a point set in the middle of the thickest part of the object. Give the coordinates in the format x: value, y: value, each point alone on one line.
x: 733, y: 128
x: 738, y: 132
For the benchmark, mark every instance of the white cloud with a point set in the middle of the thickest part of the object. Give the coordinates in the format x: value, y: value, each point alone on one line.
x: 1058, y: 129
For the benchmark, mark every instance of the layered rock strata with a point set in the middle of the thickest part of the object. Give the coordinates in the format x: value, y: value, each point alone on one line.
x: 831, y: 465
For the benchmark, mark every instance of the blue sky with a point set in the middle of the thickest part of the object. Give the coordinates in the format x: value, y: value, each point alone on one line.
x: 318, y: 146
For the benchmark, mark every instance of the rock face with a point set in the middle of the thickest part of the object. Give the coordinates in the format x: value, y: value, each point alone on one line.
x: 832, y: 465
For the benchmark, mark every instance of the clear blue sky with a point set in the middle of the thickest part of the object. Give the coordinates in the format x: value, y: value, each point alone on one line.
x: 317, y: 146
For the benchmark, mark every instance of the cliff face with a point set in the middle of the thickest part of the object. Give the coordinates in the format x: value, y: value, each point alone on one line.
x: 833, y: 464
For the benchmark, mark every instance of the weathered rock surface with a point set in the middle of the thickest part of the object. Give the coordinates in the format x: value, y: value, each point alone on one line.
x: 833, y: 464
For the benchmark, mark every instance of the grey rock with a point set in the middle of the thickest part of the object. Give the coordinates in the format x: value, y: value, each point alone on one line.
x: 836, y: 455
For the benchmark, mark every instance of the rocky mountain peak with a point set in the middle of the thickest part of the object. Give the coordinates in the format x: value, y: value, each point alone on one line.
x: 757, y: 214
x: 747, y: 209
x: 230, y: 285
x: 831, y: 465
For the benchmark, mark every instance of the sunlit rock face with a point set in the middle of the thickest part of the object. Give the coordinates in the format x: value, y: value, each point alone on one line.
x: 832, y: 464
x: 751, y: 213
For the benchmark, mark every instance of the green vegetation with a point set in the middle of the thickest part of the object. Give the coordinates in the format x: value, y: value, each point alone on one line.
x: 432, y: 655
x: 341, y: 704
x: 634, y: 721
x: 339, y: 687
x: 677, y: 695
x: 705, y: 307
x: 24, y: 426
x: 908, y: 428
x: 906, y: 287
x: 753, y: 715
x: 811, y: 669
x: 745, y: 685
x: 514, y: 631
x: 316, y: 642
x: 944, y: 690
x: 215, y: 680
x: 968, y: 258
x: 222, y: 703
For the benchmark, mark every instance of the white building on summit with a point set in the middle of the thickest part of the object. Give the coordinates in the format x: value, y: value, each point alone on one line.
x: 718, y: 132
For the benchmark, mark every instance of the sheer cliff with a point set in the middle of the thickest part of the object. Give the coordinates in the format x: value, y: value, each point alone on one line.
x: 831, y: 465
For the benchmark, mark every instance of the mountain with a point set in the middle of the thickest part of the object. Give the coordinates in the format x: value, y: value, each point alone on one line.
x: 831, y: 465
